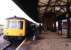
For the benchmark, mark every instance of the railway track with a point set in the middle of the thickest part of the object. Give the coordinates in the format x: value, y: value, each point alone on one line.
x: 11, y: 47
x: 24, y: 45
x: 15, y: 46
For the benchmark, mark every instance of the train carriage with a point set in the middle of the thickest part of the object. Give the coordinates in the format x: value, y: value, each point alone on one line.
x: 16, y: 29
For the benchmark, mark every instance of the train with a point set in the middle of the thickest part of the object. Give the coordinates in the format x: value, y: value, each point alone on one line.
x: 17, y: 29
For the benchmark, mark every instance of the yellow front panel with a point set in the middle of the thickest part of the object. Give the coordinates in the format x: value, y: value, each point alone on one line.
x: 15, y: 31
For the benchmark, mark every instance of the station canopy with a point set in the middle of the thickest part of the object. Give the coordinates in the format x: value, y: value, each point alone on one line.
x: 29, y: 7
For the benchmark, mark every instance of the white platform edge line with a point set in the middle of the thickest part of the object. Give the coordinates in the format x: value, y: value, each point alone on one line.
x: 20, y: 44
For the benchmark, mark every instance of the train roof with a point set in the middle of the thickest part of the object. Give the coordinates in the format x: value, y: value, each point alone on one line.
x: 15, y: 17
x: 19, y: 18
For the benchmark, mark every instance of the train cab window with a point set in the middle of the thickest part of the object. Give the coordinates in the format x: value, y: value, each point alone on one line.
x: 12, y: 24
x: 20, y: 24
x: 15, y: 24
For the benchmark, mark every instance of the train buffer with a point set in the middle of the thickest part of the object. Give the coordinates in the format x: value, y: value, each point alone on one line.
x: 3, y: 43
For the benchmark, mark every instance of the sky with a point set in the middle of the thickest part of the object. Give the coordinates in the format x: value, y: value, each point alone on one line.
x: 9, y: 9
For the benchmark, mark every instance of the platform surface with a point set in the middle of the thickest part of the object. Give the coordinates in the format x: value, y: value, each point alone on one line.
x: 49, y: 41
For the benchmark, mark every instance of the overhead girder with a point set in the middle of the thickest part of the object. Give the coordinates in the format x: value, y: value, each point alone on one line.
x: 57, y: 9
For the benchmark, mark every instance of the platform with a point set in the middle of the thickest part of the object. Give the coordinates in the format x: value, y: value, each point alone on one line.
x: 49, y: 41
